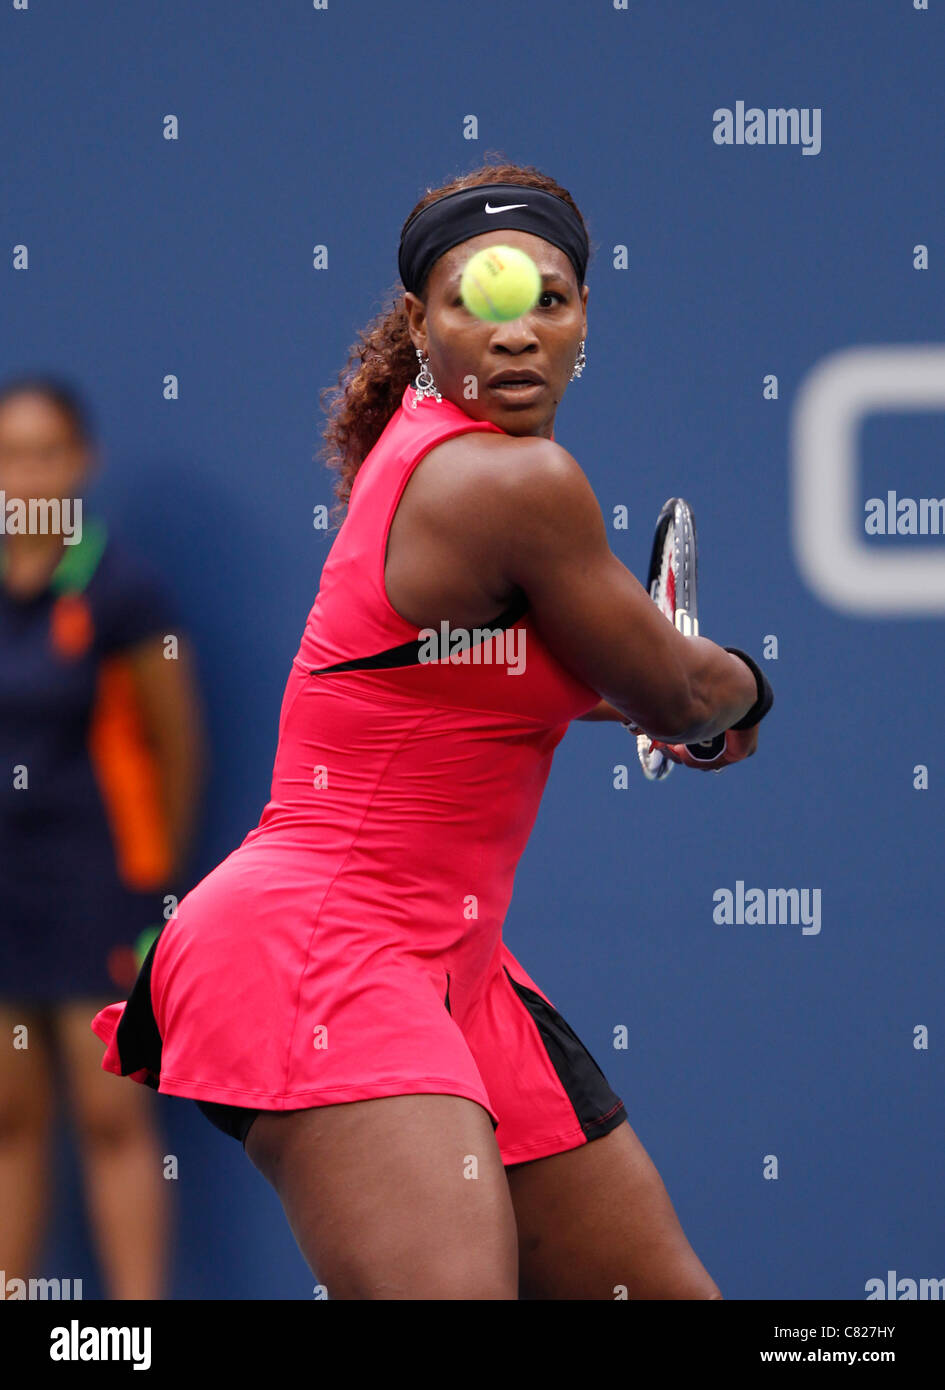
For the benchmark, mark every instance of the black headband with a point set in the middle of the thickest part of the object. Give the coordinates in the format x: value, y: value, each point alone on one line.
x: 486, y: 207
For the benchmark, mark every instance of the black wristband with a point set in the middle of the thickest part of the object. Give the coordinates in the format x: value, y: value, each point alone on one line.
x: 765, y: 694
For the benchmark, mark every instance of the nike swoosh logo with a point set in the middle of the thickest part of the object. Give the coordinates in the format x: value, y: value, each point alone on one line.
x: 506, y: 207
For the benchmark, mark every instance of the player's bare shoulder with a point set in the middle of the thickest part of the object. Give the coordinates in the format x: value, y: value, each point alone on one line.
x: 499, y: 481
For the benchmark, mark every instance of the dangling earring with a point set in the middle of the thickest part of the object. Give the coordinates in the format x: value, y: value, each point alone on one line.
x: 424, y: 385
x: 580, y: 363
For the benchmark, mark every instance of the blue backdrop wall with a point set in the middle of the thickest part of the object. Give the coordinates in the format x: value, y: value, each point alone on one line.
x: 747, y: 267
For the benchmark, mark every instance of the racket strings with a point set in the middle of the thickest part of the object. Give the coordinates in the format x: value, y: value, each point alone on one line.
x: 672, y: 582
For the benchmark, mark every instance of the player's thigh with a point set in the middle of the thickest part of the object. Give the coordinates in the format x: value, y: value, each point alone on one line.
x: 597, y: 1220
x: 401, y: 1197
x: 104, y: 1107
x: 26, y: 1085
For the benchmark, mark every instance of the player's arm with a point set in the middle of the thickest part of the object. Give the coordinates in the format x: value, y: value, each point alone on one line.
x: 168, y: 698
x: 603, y: 710
x: 547, y: 537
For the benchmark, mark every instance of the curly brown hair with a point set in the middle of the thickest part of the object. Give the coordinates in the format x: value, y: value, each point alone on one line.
x: 382, y: 362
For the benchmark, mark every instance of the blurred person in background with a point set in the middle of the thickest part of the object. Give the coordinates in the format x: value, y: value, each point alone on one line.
x: 101, y: 764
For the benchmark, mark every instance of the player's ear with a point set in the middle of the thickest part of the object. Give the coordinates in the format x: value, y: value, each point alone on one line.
x: 416, y: 314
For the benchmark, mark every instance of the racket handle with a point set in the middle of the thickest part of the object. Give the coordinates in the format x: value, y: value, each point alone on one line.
x: 707, y: 750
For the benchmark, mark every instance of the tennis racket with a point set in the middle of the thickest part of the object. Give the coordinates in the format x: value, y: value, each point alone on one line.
x: 672, y: 581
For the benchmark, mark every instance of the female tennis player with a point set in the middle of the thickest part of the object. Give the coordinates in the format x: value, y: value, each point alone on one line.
x: 337, y: 994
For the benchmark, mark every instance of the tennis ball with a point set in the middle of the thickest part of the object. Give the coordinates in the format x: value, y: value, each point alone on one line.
x: 500, y: 283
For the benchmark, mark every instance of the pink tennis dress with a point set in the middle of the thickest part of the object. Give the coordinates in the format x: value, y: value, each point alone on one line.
x: 351, y: 947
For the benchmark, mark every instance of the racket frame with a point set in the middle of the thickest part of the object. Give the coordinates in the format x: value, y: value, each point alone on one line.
x: 677, y: 514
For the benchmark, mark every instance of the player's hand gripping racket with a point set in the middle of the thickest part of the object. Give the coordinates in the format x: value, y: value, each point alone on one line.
x: 672, y: 581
